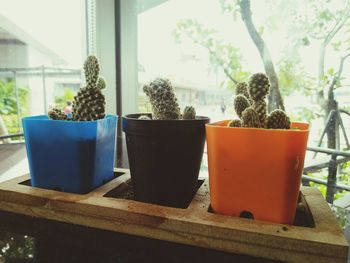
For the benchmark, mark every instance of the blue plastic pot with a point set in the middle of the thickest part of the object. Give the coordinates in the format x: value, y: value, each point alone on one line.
x: 70, y: 156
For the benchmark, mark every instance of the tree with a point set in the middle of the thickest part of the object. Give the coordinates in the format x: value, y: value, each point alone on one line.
x: 227, y: 57
x: 275, y: 98
x: 223, y: 56
x: 323, y: 23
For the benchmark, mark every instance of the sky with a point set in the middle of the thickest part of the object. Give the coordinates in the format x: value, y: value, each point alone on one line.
x: 58, y: 24
x: 160, y: 55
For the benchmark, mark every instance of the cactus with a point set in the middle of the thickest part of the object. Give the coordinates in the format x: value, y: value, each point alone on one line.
x: 235, y: 123
x: 253, y: 110
x: 163, y: 99
x: 242, y: 89
x: 101, y: 83
x: 250, y: 118
x: 189, y: 113
x: 57, y: 114
x: 278, y: 119
x: 240, y: 104
x: 89, y: 103
x: 259, y: 86
x: 261, y: 109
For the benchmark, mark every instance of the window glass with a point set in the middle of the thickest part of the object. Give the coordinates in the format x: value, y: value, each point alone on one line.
x: 206, y: 47
x: 42, y: 45
x: 41, y: 53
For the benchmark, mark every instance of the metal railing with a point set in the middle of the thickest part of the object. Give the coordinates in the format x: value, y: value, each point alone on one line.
x: 332, y: 165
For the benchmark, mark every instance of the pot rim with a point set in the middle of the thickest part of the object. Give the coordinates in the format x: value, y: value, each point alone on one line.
x: 219, y: 125
x: 129, y: 117
x: 45, y: 118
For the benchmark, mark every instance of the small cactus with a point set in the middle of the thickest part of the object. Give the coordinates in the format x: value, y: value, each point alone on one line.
x: 57, y: 114
x: 250, y: 118
x: 240, y: 104
x: 259, y: 86
x: 189, y: 113
x: 278, y: 119
x: 235, y: 123
x: 163, y: 100
x: 89, y: 103
x: 101, y: 83
x: 251, y: 107
x: 91, y: 70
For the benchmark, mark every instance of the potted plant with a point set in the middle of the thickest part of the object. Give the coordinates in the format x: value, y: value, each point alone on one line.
x: 164, y: 148
x: 73, y: 152
x: 255, y: 162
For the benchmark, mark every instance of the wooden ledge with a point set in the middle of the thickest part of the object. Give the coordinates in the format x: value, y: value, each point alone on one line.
x: 319, y: 240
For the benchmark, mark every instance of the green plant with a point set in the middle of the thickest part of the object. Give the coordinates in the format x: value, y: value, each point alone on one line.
x: 164, y: 102
x: 189, y: 113
x: 89, y: 103
x: 235, y: 123
x: 255, y: 114
x: 278, y: 119
x: 8, y: 103
x: 240, y: 104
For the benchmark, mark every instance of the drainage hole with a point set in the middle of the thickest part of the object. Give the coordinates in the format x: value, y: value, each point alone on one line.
x: 246, y: 214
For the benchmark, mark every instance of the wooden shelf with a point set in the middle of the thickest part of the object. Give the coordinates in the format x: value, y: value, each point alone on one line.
x: 315, y: 237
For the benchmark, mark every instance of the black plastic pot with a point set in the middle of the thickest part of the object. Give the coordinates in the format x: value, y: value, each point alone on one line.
x: 164, y: 158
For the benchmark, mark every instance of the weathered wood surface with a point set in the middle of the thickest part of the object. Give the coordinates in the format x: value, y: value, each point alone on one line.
x: 194, y: 226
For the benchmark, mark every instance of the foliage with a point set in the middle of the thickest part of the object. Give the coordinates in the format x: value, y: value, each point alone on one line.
x: 61, y: 101
x: 293, y: 77
x: 223, y: 56
x: 15, y: 248
x: 8, y: 103
x: 11, y: 123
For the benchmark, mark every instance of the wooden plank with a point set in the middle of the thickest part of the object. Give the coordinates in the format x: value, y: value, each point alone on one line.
x: 194, y: 226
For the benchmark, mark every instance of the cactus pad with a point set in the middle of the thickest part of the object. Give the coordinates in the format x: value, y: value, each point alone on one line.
x: 250, y: 118
x: 91, y: 70
x: 278, y: 119
x: 261, y: 109
x: 163, y: 100
x: 240, y: 104
x: 235, y: 123
x: 259, y: 86
x: 57, y: 114
x: 189, y: 113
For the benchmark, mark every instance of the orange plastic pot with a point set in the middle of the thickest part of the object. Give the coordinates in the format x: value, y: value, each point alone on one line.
x: 256, y: 172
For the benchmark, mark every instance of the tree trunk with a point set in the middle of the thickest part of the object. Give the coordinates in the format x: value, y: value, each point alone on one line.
x: 275, y: 98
